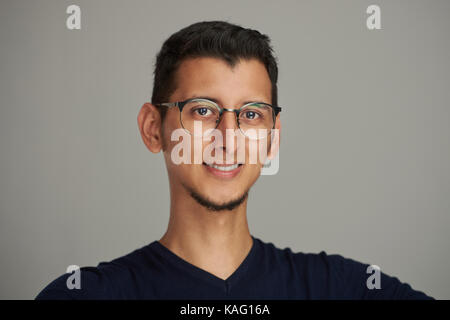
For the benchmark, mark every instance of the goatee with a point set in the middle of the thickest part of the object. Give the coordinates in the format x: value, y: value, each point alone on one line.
x: 213, y: 206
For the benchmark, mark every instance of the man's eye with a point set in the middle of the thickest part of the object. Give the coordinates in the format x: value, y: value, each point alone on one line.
x: 202, y: 111
x: 251, y: 115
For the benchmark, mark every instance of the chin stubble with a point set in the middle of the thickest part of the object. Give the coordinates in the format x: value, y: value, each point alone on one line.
x: 213, y: 206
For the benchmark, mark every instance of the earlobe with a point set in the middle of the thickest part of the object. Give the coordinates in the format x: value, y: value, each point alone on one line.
x: 149, y: 123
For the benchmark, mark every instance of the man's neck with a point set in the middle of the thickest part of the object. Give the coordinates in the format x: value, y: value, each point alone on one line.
x: 216, y: 242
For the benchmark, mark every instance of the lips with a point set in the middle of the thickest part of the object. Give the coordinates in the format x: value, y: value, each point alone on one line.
x: 224, y: 171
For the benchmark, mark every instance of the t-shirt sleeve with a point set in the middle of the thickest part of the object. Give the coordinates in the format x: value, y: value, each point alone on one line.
x: 94, y: 285
x: 350, y: 279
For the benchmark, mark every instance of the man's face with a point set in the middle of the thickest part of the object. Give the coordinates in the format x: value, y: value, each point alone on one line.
x: 231, y: 88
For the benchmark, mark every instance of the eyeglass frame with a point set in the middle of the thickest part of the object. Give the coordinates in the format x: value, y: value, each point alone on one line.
x: 180, y: 104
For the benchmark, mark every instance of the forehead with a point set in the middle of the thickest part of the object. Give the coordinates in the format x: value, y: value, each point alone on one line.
x: 246, y: 80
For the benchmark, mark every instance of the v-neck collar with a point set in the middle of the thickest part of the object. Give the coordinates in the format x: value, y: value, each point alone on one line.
x: 200, y: 273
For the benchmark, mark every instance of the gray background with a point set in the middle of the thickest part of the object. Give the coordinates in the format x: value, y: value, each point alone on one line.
x: 365, y: 152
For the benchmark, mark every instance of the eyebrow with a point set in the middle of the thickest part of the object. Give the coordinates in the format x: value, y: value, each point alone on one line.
x: 217, y: 101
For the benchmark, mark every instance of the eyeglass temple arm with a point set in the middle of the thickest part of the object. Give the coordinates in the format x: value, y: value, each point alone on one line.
x: 168, y: 104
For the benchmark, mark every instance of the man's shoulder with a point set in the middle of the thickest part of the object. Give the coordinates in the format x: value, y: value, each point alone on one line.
x: 108, y: 280
x: 322, y: 260
x: 285, y: 254
x: 335, y: 276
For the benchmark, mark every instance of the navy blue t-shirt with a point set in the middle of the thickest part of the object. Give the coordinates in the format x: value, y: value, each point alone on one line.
x: 267, y: 272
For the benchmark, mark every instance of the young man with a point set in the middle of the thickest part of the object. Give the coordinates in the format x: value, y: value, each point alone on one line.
x: 209, y: 78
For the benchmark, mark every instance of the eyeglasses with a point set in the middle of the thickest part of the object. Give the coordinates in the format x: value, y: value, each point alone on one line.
x: 253, y: 115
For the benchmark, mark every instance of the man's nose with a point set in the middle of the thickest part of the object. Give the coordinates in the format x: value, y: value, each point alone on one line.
x: 228, y: 122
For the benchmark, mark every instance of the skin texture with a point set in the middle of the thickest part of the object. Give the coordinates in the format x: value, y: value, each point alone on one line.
x: 216, y: 241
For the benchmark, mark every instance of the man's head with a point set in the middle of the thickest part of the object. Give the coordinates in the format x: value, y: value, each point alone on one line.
x: 229, y: 65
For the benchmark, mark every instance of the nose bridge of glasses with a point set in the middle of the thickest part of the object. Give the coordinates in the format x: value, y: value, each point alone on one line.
x: 232, y: 118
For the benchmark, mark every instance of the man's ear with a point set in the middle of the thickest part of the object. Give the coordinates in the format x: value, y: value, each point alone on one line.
x: 149, y: 122
x: 276, y: 137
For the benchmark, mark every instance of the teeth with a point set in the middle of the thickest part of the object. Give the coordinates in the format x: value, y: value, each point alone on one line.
x: 227, y: 168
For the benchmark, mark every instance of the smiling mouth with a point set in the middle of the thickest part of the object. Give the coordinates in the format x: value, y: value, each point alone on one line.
x: 224, y: 168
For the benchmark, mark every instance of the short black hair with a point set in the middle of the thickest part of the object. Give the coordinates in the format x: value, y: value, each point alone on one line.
x: 218, y: 39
